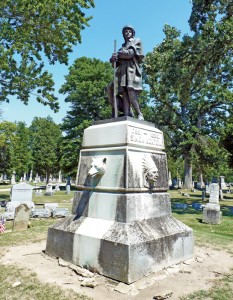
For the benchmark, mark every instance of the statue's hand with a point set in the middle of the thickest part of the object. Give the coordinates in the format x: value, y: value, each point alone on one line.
x: 126, y: 54
x: 114, y: 57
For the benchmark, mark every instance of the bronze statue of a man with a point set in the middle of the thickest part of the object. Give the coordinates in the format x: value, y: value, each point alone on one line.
x: 128, y: 76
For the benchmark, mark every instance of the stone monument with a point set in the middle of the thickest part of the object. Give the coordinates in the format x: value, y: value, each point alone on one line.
x: 121, y: 224
x: 13, y: 178
x: 222, y: 183
x: 21, y: 193
x: 21, y: 219
x: 211, y: 211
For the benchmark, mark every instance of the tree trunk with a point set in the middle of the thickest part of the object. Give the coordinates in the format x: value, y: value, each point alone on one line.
x: 188, y: 183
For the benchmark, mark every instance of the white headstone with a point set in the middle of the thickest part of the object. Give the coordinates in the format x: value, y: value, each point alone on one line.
x: 49, y: 190
x: 21, y: 192
x: 222, y: 183
x: 169, y: 179
x: 211, y: 212
x: 214, y: 193
x: 30, y: 178
x: 13, y: 178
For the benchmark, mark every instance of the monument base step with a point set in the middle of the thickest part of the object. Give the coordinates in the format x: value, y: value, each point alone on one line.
x: 122, y: 251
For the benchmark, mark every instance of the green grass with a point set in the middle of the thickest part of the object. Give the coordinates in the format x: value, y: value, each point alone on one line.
x: 216, y: 236
x: 37, y: 232
x: 38, y: 227
x: 31, y: 288
x: 222, y: 290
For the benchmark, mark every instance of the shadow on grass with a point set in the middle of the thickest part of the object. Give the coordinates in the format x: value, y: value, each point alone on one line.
x: 4, y: 197
x: 194, y: 207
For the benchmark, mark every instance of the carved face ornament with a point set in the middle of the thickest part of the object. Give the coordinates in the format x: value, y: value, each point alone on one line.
x: 150, y: 169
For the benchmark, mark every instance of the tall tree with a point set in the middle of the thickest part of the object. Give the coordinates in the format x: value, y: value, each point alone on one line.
x: 8, y: 140
x: 21, y: 159
x: 30, y: 29
x: 192, y: 93
x: 85, y: 86
x: 46, y: 136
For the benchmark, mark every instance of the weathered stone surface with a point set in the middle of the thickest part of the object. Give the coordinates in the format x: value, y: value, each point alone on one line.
x: 121, y: 207
x: 89, y: 282
x: 126, y: 132
x: 63, y: 263
x: 21, y: 193
x: 123, y: 251
x: 41, y: 213
x: 163, y: 295
x: 21, y: 219
x: 9, y: 215
x: 60, y: 212
x: 80, y: 271
x: 51, y: 205
x: 124, y: 170
x: 11, y: 206
x: 121, y: 224
x: 212, y: 214
x: 126, y: 289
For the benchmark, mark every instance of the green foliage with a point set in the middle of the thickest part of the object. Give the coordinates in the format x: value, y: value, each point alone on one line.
x: 29, y: 31
x: 31, y: 287
x: 21, y: 158
x: 192, y: 89
x: 85, y: 86
x: 8, y: 140
x: 221, y: 290
x: 46, y: 136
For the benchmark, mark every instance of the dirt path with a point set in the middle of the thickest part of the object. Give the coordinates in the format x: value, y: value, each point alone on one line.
x: 182, y: 279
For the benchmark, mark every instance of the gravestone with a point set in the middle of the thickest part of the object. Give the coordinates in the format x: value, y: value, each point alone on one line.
x: 57, y: 187
x: 38, y: 193
x: 60, y: 212
x: 41, y: 213
x: 49, y: 190
x: 21, y: 193
x: 207, y: 189
x: 51, y: 206
x: 222, y: 183
x: 211, y: 211
x: 9, y: 215
x: 21, y: 219
x: 13, y: 178
x: 169, y: 179
x: 180, y: 183
x: 121, y: 223
x: 37, y: 178
x: 30, y: 177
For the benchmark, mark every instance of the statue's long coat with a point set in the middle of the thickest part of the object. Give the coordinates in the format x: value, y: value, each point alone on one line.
x: 128, y: 73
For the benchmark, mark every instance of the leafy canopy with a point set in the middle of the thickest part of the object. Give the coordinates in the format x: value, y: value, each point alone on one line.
x: 85, y: 89
x: 30, y: 31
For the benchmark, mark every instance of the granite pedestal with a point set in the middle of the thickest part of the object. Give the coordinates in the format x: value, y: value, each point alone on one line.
x: 121, y: 224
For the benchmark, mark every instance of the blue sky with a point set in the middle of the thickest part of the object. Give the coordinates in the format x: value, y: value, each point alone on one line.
x: 148, y: 17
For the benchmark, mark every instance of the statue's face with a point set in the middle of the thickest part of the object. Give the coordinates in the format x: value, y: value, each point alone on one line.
x: 128, y: 33
x: 152, y: 175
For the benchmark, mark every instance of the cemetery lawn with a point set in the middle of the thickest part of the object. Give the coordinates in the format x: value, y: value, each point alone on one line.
x: 222, y: 290
x: 217, y: 237
x: 29, y: 287
x: 38, y: 228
